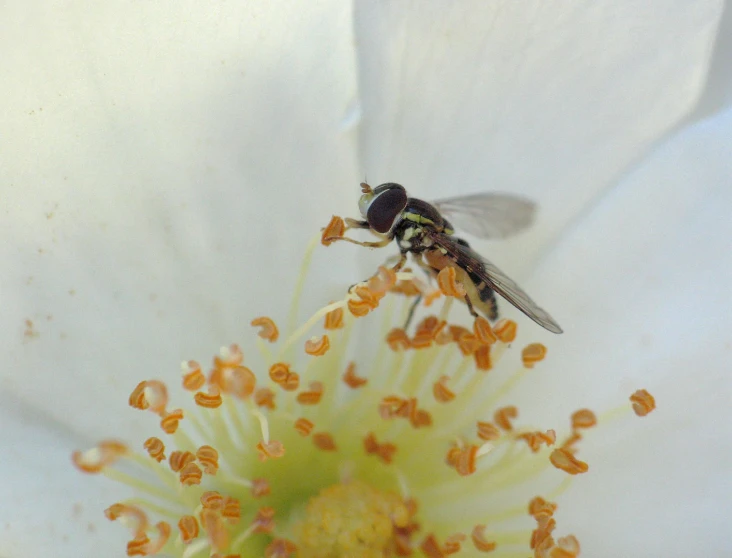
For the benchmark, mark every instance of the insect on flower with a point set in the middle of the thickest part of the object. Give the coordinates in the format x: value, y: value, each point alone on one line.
x: 422, y: 229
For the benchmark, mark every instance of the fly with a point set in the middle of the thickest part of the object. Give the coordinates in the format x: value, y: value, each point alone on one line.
x: 422, y: 229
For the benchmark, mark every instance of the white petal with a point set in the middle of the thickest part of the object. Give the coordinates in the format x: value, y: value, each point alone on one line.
x: 164, y: 166
x: 642, y: 288
x: 551, y: 99
x: 49, y: 508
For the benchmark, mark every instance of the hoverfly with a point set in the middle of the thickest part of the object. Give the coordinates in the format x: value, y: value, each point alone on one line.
x: 422, y: 229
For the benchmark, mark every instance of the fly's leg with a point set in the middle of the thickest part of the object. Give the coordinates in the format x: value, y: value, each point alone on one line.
x: 470, y: 307
x: 379, y: 244
x: 356, y: 224
x: 411, y: 311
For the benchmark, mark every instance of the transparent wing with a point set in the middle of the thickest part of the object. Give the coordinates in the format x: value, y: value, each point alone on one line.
x: 473, y: 262
x: 488, y: 215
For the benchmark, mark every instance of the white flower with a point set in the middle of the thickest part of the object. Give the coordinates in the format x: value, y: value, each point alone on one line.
x: 164, y: 165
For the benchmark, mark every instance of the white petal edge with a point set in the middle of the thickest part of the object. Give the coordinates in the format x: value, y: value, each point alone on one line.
x: 641, y: 286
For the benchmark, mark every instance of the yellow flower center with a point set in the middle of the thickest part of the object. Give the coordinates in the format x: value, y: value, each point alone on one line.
x: 351, y: 520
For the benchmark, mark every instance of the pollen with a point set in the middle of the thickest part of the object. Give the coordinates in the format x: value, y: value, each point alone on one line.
x: 317, y: 346
x: 268, y: 329
x: 352, y: 520
x: 643, y: 402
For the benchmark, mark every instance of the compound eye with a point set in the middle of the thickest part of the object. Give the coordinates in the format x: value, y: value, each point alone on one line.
x: 389, y: 201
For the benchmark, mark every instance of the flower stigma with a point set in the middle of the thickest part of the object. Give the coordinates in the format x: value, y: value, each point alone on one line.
x: 298, y: 449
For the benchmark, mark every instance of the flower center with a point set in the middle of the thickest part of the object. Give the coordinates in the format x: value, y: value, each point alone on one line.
x: 350, y: 520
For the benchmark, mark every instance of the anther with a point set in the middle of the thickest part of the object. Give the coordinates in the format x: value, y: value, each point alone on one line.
x: 317, y: 346
x: 350, y: 378
x: 562, y: 459
x: 398, y: 340
x: 505, y: 330
x: 449, y: 284
x: 324, y: 441
x: 385, y: 451
x: 268, y: 329
x: 304, y: 426
x: 334, y: 319
x: 96, y: 459
x: 193, y: 378
x: 483, y: 331
x: 208, y: 457
x: 584, y: 418
x: 260, y: 488
x: 441, y: 392
x: 210, y: 400
x: 503, y: 416
x: 488, y: 431
x: 155, y: 448
x: 334, y: 229
x: 479, y: 540
x: 264, y: 520
x: 190, y: 474
x: 188, y: 527
x: 270, y: 450
x: 264, y: 397
x: 533, y: 353
x: 643, y: 402
x: 313, y: 395
x: 170, y: 421
x: 179, y: 459
x: 280, y: 548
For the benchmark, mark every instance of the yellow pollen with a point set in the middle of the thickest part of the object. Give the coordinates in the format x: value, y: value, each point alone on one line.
x: 351, y: 520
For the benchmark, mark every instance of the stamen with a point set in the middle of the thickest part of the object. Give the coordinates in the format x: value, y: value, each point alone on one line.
x: 179, y: 459
x: 193, y: 378
x: 449, y: 284
x: 188, y: 527
x: 264, y: 520
x: 317, y: 346
x: 584, y: 418
x: 482, y: 356
x: 479, y: 540
x: 562, y: 459
x: 441, y: 392
x: 281, y: 374
x: 96, y: 459
x: 280, y: 548
x: 324, y: 441
x: 334, y: 229
x: 260, y: 488
x: 334, y: 319
x: 151, y: 394
x: 350, y: 378
x: 190, y: 474
x: 503, y: 416
x: 385, y: 451
x: 210, y: 400
x: 170, y: 421
x: 505, y: 330
x: 155, y: 448
x: 270, y: 450
x: 304, y: 426
x: 264, y: 397
x: 643, y: 402
x: 313, y: 396
x: 268, y: 330
x: 533, y: 353
x: 488, y: 431
x: 209, y: 458
x: 398, y: 340
x: 483, y: 331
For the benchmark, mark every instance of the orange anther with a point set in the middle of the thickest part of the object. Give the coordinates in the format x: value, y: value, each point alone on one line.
x: 350, y: 378
x: 209, y: 458
x: 431, y: 297
x: 421, y: 418
x: 441, y: 392
x: 264, y: 397
x: 138, y: 546
x: 278, y: 372
x: 398, y: 340
x: 334, y: 229
x: 170, y: 421
x: 324, y: 441
x: 430, y: 547
x: 536, y: 439
x: 334, y: 319
x: 643, y: 402
x: 570, y: 442
x: 567, y: 547
x: 231, y: 510
x: 482, y: 357
x: 229, y: 356
x: 483, y: 331
x: 179, y: 459
x: 385, y: 451
x: 453, y: 543
x: 382, y: 281
x: 463, y: 459
x: 188, y: 527
x: 235, y: 380
x: 264, y: 520
x: 193, y: 378
x: 268, y: 329
x: 134, y: 518
x: 216, y: 531
x: 150, y: 394
x: 479, y: 540
x: 317, y: 347
x: 190, y: 474
x: 155, y: 448
x: 99, y: 457
x: 469, y: 343
x: 449, y: 284
x: 260, y: 488
x: 210, y: 400
x: 503, y: 416
x: 488, y: 431
x: 358, y: 308
x: 304, y: 426
x: 271, y: 450
x: 313, y: 396
x: 505, y: 330
x: 212, y: 500
x: 584, y: 418
x: 564, y: 460
x: 533, y: 353
x: 541, y: 508
x: 280, y: 548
